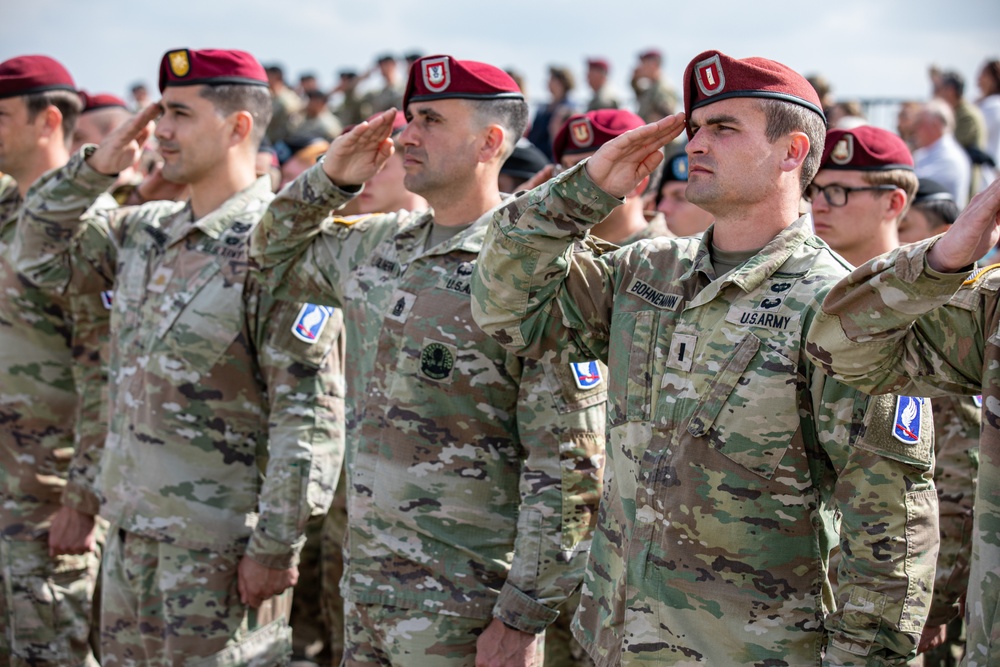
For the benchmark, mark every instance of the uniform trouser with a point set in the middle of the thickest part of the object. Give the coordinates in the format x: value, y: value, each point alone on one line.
x: 334, y: 532
x: 561, y: 648
x: 379, y: 636
x: 163, y: 605
x: 45, y: 605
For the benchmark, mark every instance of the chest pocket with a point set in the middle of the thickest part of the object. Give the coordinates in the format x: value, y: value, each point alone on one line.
x: 207, y: 324
x: 631, y: 377
x: 750, y: 412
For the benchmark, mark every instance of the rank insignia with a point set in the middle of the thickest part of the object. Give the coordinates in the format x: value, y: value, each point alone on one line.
x: 581, y: 132
x: 437, y: 75
x: 906, y: 426
x: 709, y: 75
x: 180, y: 62
x: 843, y: 152
x: 310, y: 322
x: 586, y: 374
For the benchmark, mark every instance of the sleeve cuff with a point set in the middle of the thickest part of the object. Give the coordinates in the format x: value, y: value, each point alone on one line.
x: 272, y: 553
x: 81, y: 499
x: 517, y: 610
x: 325, y: 190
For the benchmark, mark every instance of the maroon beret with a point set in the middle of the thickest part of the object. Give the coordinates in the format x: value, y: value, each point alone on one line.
x: 443, y: 77
x: 100, y: 101
x: 25, y: 75
x: 712, y: 76
x: 599, y: 63
x: 585, y: 133
x: 651, y: 53
x: 865, y: 148
x: 187, y: 67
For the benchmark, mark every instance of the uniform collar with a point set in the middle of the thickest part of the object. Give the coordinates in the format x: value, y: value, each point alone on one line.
x: 252, y: 200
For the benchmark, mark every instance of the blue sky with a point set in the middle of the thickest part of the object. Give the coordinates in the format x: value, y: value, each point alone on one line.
x: 866, y: 48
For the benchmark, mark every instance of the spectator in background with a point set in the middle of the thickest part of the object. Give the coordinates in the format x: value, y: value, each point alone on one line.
x: 549, y: 118
x: 654, y: 98
x: 970, y: 127
x: 937, y: 155
x: 932, y: 212
x: 846, y: 115
x: 307, y: 83
x: 316, y: 119
x: 823, y: 90
x: 906, y: 122
x: 285, y: 105
x: 351, y: 109
x: 989, y: 105
x: 140, y: 95
x: 683, y: 218
x: 390, y: 95
x: 597, y: 79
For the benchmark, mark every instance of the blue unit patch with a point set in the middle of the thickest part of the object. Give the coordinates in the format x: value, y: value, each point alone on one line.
x: 978, y: 400
x: 587, y: 374
x: 108, y: 298
x: 906, y: 427
x: 310, y: 322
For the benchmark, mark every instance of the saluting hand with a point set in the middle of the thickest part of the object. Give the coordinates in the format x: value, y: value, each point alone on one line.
x: 972, y: 235
x: 122, y: 148
x: 620, y: 165
x: 356, y: 156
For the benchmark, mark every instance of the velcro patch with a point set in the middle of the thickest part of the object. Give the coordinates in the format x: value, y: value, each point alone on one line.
x: 653, y: 296
x: 763, y: 319
x: 310, y: 322
x: 586, y: 374
x: 906, y: 424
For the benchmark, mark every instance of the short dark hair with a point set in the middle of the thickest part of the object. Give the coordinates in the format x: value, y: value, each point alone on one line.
x: 511, y: 114
x: 230, y: 98
x: 68, y: 103
x: 783, y: 118
x: 943, y: 211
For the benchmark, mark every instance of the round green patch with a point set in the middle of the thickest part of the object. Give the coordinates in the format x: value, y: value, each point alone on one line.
x: 436, y: 361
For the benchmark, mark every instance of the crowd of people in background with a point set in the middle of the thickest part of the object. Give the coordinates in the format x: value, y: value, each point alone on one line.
x: 330, y: 283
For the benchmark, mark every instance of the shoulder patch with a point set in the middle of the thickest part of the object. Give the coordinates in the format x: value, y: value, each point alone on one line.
x: 586, y: 374
x: 978, y: 401
x: 108, y: 299
x: 310, y: 321
x: 906, y: 424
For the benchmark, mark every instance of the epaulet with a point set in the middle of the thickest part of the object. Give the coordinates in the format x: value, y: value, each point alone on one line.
x: 980, y: 273
x: 349, y: 220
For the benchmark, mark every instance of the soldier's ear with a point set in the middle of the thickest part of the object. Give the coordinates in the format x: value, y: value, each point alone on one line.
x: 492, y: 144
x: 49, y: 123
x: 796, y: 151
x: 242, y: 126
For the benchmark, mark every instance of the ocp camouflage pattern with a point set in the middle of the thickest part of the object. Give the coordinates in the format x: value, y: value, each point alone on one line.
x: 895, y: 324
x: 731, y: 459
x: 474, y: 475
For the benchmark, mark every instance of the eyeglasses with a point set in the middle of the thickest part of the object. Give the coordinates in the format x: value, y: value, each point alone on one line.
x: 836, y: 195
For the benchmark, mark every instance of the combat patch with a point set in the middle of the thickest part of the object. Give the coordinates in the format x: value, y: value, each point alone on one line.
x: 762, y: 319
x: 437, y: 361
x: 653, y: 296
x: 310, y: 322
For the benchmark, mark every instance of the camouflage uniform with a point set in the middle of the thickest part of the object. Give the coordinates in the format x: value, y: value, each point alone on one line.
x: 655, y: 228
x: 897, y: 325
x: 473, y: 475
x: 731, y: 459
x: 53, y: 413
x: 603, y: 99
x: 386, y: 97
x: 213, y: 382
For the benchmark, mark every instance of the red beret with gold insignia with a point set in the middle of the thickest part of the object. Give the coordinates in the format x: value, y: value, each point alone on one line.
x: 213, y: 67
x: 100, y: 101
x: 865, y: 148
x: 26, y: 75
x: 443, y: 77
x: 586, y: 132
x: 712, y: 76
